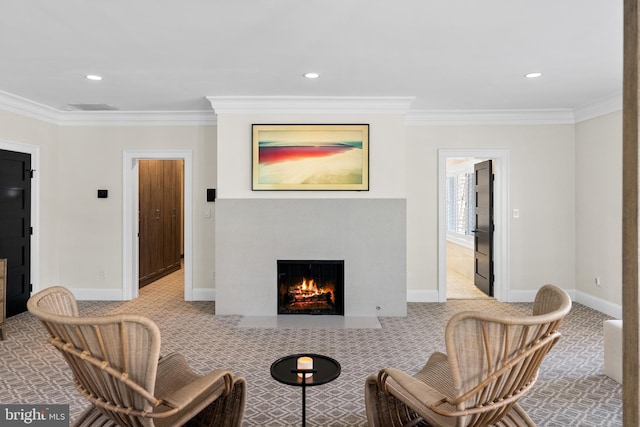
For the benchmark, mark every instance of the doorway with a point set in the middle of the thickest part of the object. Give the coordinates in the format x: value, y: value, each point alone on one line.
x: 465, y: 234
x: 34, y: 152
x: 15, y: 227
x: 500, y: 161
x: 131, y: 167
x: 160, y: 218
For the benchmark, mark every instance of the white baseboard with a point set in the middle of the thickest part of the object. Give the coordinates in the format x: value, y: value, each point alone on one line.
x: 606, y: 307
x: 107, y: 294
x: 209, y: 294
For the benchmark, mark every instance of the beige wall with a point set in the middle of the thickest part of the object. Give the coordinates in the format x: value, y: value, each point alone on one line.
x: 599, y: 212
x: 541, y: 186
x: 91, y: 158
x: 564, y: 179
x: 80, y: 234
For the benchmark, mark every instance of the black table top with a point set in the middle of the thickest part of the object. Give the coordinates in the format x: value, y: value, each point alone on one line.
x: 327, y: 369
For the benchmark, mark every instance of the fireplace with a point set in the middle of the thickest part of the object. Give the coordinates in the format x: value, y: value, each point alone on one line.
x: 311, y: 287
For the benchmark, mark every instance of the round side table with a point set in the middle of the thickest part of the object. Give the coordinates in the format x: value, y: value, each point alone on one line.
x: 285, y: 370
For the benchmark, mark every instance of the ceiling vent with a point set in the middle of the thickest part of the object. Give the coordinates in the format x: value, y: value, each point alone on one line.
x: 89, y: 107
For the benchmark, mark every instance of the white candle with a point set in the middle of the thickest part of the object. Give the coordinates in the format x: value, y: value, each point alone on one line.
x: 305, y: 363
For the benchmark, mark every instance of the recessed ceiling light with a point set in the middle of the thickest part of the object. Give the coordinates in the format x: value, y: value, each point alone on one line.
x: 311, y: 75
x: 533, y: 75
x: 93, y: 77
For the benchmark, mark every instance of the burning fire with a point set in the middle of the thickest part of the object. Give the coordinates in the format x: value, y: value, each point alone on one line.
x: 307, y: 290
x: 311, y: 286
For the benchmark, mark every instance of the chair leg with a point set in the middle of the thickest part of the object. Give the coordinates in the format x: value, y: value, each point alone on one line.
x: 226, y: 411
x: 384, y: 410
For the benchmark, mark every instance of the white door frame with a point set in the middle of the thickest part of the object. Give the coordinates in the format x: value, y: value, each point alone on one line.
x: 500, y: 216
x: 34, y: 150
x: 130, y: 267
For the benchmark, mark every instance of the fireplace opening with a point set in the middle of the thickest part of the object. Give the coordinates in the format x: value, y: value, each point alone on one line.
x: 311, y: 287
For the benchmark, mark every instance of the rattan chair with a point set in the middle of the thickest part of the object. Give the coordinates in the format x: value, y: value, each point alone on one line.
x: 116, y: 365
x: 492, y: 361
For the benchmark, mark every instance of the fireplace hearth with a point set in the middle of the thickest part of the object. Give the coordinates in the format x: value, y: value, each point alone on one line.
x: 311, y: 287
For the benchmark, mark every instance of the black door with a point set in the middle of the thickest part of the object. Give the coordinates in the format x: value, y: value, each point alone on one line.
x: 15, y: 227
x: 483, y: 246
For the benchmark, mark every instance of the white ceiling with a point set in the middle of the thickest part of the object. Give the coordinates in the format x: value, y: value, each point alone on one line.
x: 168, y: 55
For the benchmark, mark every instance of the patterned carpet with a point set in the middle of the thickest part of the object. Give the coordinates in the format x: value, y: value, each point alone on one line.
x: 571, y: 389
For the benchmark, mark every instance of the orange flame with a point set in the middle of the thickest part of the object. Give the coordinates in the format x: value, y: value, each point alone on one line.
x: 308, y: 288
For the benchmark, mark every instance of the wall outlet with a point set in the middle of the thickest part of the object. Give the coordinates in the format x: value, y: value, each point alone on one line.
x: 597, y: 281
x: 102, y: 274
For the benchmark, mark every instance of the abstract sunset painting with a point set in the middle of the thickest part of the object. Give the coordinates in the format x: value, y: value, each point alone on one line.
x: 315, y: 157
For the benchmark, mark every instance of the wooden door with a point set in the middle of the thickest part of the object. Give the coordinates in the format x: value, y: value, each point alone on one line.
x: 150, y: 228
x: 483, y: 240
x: 15, y: 227
x: 171, y: 218
x: 160, y: 211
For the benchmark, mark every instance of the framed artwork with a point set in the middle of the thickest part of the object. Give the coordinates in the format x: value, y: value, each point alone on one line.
x: 311, y: 157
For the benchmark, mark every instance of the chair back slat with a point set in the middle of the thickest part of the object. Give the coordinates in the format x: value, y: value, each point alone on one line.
x: 494, y: 359
x: 116, y: 365
x: 59, y: 301
x: 113, y: 358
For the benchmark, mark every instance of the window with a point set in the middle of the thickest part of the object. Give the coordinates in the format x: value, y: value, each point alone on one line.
x: 461, y: 202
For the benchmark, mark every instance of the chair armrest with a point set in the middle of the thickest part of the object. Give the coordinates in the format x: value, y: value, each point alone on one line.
x: 204, y: 385
x: 406, y: 384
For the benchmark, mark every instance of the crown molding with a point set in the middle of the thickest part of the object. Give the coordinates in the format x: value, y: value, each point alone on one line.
x: 515, y: 117
x: 310, y: 104
x: 489, y: 117
x: 307, y: 105
x: 25, y: 107
x: 600, y: 108
x: 137, y: 118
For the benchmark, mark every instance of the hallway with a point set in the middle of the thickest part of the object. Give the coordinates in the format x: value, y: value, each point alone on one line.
x: 460, y: 287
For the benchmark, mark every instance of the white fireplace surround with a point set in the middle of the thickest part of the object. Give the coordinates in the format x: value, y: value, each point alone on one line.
x: 368, y: 234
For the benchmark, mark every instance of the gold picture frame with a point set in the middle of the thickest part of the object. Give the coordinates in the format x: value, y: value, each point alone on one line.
x: 310, y: 157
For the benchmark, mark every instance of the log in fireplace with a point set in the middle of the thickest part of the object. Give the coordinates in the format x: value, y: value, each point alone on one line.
x: 311, y: 287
